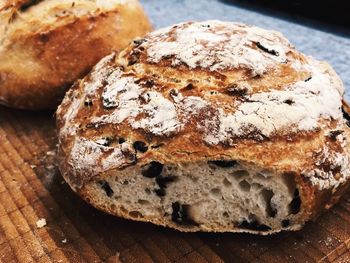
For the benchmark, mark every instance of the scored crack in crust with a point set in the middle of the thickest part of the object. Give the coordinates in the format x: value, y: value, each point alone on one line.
x: 46, y: 45
x: 185, y: 108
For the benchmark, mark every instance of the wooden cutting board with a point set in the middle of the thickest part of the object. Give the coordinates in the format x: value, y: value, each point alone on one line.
x: 31, y: 188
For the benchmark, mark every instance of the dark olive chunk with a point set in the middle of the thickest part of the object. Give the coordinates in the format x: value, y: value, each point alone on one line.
x: 106, y: 187
x: 235, y: 90
x: 334, y: 134
x: 254, y: 225
x: 105, y: 141
x: 294, y: 206
x: 180, y: 214
x: 28, y: 4
x: 152, y: 170
x: 285, y: 223
x: 164, y: 181
x: 346, y: 116
x: 189, y: 86
x: 121, y: 140
x: 224, y: 163
x: 140, y: 146
x: 88, y: 103
x: 132, y: 61
x: 289, y: 101
x: 149, y: 83
x: 265, y: 49
x: 138, y: 42
x: 160, y: 192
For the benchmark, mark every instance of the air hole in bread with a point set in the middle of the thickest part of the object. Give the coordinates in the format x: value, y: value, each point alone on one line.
x: 239, y: 174
x: 216, y: 192
x: 152, y: 170
x: 143, y: 202
x: 135, y: 214
x: 226, y: 182
x: 294, y: 206
x: 224, y: 163
x: 244, y: 185
x: 106, y: 187
x: 267, y: 195
x: 260, y: 176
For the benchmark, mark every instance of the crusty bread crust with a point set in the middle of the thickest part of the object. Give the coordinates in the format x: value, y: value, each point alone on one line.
x: 46, y: 45
x: 262, y: 102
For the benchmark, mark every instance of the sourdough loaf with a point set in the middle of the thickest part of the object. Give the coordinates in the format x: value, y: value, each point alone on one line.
x: 208, y: 126
x: 45, y: 45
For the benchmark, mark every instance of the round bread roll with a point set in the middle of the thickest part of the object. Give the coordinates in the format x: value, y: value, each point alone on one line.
x: 208, y: 126
x: 45, y: 45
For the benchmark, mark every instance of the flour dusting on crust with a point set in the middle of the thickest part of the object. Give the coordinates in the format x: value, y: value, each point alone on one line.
x: 332, y: 168
x: 297, y: 107
x: 101, y: 71
x: 161, y: 117
x: 133, y: 93
x: 213, y: 45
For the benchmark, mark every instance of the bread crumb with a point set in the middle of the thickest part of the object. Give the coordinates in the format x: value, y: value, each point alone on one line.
x: 41, y: 223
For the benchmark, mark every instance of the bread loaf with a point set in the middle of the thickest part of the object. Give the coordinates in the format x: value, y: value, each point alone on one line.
x: 208, y: 126
x: 46, y: 45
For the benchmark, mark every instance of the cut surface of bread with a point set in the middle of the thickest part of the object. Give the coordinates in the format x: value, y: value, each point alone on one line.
x: 46, y: 45
x: 220, y: 195
x: 208, y: 126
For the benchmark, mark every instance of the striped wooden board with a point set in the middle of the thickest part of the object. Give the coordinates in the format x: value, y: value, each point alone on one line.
x: 31, y: 188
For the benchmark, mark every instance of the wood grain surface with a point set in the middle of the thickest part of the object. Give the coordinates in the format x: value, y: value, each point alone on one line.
x: 31, y: 188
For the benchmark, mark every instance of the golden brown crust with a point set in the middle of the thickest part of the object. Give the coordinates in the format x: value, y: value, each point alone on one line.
x: 294, y: 129
x: 39, y: 62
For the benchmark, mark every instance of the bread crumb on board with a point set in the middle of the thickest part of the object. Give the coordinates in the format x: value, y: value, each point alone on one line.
x: 41, y: 223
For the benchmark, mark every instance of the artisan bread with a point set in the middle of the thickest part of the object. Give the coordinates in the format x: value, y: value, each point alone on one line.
x: 208, y: 126
x: 46, y: 45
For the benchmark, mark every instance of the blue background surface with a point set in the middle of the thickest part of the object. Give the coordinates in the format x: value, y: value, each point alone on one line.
x: 329, y: 46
